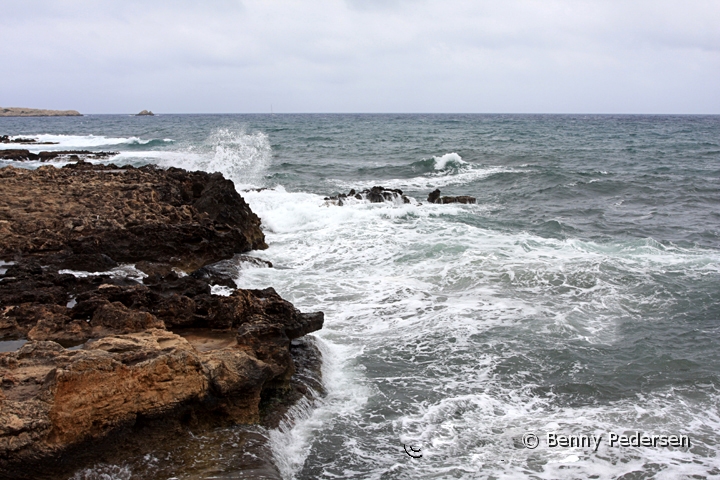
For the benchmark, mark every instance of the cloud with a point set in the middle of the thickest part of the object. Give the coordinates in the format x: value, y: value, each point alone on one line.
x: 363, y: 55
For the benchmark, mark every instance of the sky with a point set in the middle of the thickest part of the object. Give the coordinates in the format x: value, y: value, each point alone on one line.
x: 394, y: 56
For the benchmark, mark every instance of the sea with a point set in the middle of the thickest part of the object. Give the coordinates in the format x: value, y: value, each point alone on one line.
x: 579, y: 298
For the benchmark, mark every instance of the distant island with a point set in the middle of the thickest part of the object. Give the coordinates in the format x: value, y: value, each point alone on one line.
x: 36, y: 112
x: 145, y: 112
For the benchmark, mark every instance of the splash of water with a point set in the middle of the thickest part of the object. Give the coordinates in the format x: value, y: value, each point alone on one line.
x: 242, y: 157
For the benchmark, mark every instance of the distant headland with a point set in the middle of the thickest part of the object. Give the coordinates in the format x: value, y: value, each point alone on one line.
x: 36, y: 112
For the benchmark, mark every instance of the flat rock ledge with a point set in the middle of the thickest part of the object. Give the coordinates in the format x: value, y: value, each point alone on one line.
x: 23, y: 155
x: 36, y: 112
x: 108, y: 275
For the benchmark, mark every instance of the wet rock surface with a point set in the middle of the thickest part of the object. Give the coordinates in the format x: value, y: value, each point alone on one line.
x: 379, y: 194
x: 434, y: 197
x: 21, y: 140
x: 375, y: 194
x: 22, y: 155
x: 109, y: 275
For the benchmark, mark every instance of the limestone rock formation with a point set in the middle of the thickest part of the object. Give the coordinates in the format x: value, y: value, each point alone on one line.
x: 186, y: 219
x: 108, y: 275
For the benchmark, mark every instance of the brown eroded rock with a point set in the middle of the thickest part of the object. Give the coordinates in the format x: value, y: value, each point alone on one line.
x: 127, y: 380
x: 186, y: 219
x: 54, y: 401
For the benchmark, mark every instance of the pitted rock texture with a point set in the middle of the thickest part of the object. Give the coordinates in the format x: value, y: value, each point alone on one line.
x: 224, y: 355
x: 186, y: 219
x: 109, y: 355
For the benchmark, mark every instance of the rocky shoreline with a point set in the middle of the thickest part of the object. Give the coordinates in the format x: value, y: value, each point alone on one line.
x: 112, y: 276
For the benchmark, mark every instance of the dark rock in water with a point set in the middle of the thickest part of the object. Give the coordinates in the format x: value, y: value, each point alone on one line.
x: 7, y: 139
x: 145, y: 113
x: 60, y: 408
x: 374, y: 195
x: 434, y: 197
x: 26, y: 155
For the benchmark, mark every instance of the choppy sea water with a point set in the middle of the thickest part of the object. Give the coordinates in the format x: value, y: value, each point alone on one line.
x: 580, y: 296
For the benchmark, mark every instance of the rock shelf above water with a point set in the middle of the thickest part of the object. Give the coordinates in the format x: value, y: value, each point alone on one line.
x: 109, y: 354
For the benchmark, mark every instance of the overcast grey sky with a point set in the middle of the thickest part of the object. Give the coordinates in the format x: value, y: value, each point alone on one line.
x: 237, y: 56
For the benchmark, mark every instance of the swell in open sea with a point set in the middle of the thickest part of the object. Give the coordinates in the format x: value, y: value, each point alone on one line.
x: 580, y: 296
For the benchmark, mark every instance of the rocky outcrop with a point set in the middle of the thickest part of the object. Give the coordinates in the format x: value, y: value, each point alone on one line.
x: 35, y: 112
x: 185, y: 219
x: 145, y: 113
x: 434, y: 197
x: 54, y: 399
x: 108, y: 275
x: 381, y: 194
x: 21, y: 140
x: 375, y: 194
x: 71, y: 155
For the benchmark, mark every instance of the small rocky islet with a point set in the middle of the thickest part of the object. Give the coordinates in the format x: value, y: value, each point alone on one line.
x: 379, y: 194
x: 108, y: 275
x: 36, y: 112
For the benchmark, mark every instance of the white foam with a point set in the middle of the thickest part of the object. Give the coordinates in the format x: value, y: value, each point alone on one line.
x: 240, y: 156
x: 122, y: 271
x: 453, y: 158
x: 464, y: 175
x: 221, y: 290
x: 401, y: 282
x: 69, y: 142
x: 346, y: 394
